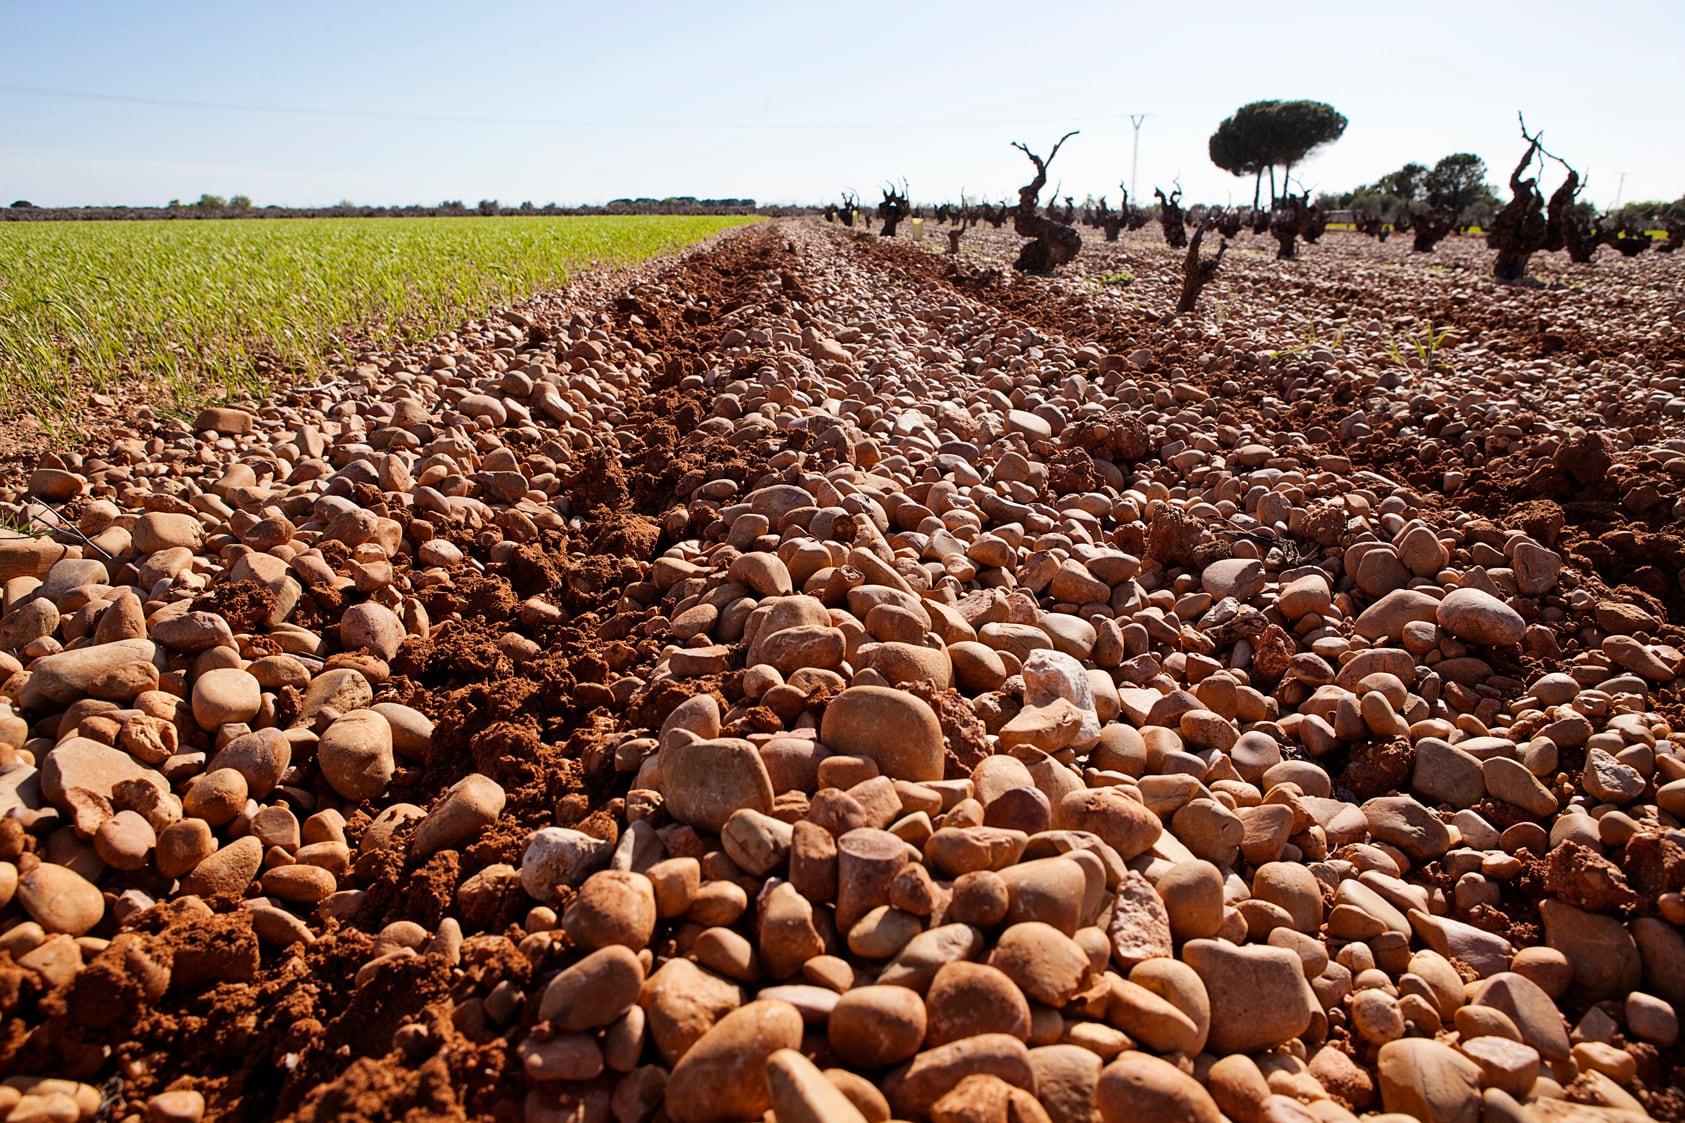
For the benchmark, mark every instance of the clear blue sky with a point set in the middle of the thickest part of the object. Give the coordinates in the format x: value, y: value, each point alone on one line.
x: 575, y: 103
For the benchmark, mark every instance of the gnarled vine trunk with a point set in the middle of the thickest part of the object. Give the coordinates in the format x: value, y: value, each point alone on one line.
x: 1566, y: 226
x: 1170, y: 217
x: 1431, y: 228
x: 1195, y: 273
x: 1519, y: 229
x: 1052, y: 243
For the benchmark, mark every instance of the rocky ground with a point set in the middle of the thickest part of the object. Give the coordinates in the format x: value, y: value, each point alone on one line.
x: 823, y: 676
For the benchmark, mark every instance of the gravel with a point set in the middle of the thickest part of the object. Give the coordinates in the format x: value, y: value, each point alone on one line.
x: 821, y: 676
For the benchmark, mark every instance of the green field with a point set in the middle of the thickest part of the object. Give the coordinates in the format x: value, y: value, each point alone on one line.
x: 188, y: 307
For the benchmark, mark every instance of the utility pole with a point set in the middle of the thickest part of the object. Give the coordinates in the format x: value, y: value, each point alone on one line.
x: 1135, y: 159
x: 1620, y: 186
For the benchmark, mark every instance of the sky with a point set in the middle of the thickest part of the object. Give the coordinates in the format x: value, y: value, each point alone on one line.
x: 310, y: 103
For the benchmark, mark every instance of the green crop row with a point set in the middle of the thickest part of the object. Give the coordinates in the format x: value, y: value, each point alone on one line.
x: 188, y: 308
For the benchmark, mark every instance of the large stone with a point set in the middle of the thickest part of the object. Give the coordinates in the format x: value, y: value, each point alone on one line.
x: 1258, y: 993
x: 355, y: 755
x: 59, y: 899
x: 29, y: 622
x: 1444, y: 773
x: 706, y: 781
x: 225, y: 695
x: 895, y: 729
x: 80, y: 775
x: 228, y: 871
x: 1045, y: 963
x: 967, y: 999
x: 472, y: 804
x: 1508, y: 780
x: 1050, y: 675
x: 373, y: 628
x: 1138, y: 1087
x: 1303, y: 595
x: 683, y: 1002
x: 1603, y: 953
x: 1529, y: 1007
x: 1122, y: 822
x: 1241, y: 578
x: 1480, y: 617
x: 560, y: 856
x: 192, y: 632
x: 164, y: 530
x: 1536, y: 568
x: 934, y: 1072
x: 875, y: 1026
x: 338, y: 688
x: 593, y: 992
x: 723, y: 1077
x: 1429, y: 1081
x: 73, y: 675
x: 261, y: 756
x: 273, y: 574
x: 1402, y: 822
x: 226, y: 420
x: 1387, y: 617
x: 1065, y: 1079
x: 1140, y: 927
x: 801, y: 1093
x: 25, y: 556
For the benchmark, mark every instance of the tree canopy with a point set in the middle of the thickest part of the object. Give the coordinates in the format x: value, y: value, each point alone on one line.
x: 1458, y: 181
x: 1263, y: 134
x: 1406, y: 184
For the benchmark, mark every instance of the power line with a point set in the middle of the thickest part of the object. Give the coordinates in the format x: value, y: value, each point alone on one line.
x: 442, y: 119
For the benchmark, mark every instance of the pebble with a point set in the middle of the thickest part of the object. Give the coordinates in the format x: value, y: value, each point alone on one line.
x: 59, y: 899
x: 800, y: 1093
x: 612, y: 907
x: 723, y: 1076
x: 1259, y: 996
x: 185, y: 1106
x: 987, y: 730
x: 707, y: 781
x: 355, y: 755
x: 967, y: 999
x: 1046, y: 965
x: 594, y: 991
x: 1065, y: 1077
x: 472, y: 804
x: 683, y: 1002
x: 558, y: 856
x: 226, y: 872
x: 897, y: 731
x: 260, y: 757
x: 1429, y: 1081
x: 1480, y: 617
x: 373, y: 628
x: 877, y: 1026
x: 1141, y: 1086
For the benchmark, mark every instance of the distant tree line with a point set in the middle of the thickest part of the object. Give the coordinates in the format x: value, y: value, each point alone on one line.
x: 240, y: 206
x: 1456, y: 183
